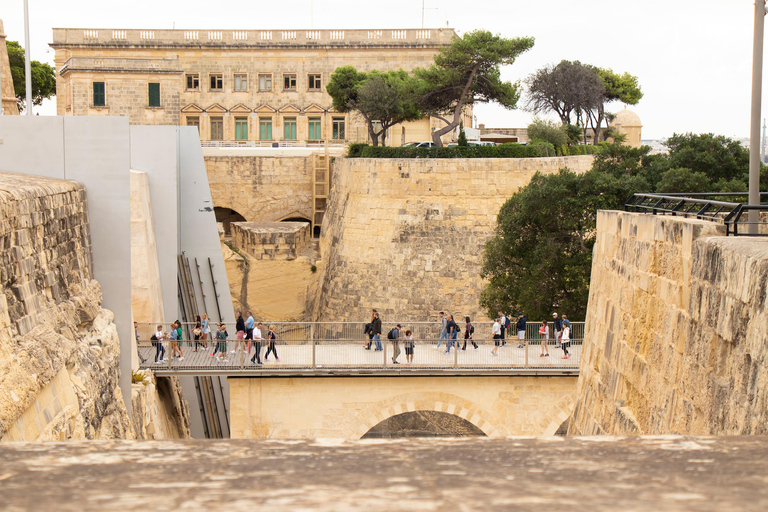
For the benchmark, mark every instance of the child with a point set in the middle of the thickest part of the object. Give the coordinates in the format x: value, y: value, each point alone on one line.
x: 408, y: 346
x: 544, y: 331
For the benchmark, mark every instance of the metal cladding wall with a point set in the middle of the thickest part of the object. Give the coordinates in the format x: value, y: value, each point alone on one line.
x: 96, y: 152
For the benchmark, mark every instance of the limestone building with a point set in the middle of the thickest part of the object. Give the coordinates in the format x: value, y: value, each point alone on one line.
x: 254, y: 87
x: 626, y: 121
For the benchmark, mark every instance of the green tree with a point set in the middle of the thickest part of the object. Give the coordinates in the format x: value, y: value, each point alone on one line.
x: 383, y: 99
x: 716, y: 156
x: 468, y: 72
x: 462, y: 136
x: 43, y: 77
x: 682, y: 179
x: 624, y: 88
x: 548, y: 132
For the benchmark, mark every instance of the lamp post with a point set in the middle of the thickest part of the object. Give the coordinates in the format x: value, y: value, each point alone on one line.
x: 27, y: 62
x: 754, y: 133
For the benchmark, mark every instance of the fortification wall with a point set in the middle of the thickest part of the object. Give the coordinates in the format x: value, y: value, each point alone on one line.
x: 405, y: 236
x: 676, y: 330
x: 59, y: 349
x: 262, y: 188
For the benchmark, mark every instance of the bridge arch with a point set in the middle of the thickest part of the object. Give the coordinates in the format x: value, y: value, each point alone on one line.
x: 376, y: 412
x: 227, y: 216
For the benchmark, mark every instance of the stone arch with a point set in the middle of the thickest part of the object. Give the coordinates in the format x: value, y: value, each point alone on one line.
x: 423, y: 424
x: 373, y: 414
x: 295, y: 217
x: 227, y: 216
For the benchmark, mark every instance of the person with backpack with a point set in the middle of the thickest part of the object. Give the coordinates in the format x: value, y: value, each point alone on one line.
x: 521, y: 322
x: 377, y: 331
x: 394, y: 337
x: 452, y: 334
x: 469, y: 331
x: 443, y: 328
x: 557, y: 324
x: 504, y: 322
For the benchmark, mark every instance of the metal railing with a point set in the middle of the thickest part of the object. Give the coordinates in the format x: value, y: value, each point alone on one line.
x: 321, y: 346
x: 698, y: 206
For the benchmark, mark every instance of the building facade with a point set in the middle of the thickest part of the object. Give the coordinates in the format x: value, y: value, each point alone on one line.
x: 242, y: 86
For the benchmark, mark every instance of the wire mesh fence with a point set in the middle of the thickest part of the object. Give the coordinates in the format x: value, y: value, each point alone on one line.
x: 345, y: 345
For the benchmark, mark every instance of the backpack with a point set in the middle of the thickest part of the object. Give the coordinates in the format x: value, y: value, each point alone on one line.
x: 458, y: 329
x: 506, y: 322
x: 390, y: 334
x: 368, y: 328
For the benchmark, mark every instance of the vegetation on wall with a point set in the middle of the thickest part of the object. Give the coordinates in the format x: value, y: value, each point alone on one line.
x: 508, y: 150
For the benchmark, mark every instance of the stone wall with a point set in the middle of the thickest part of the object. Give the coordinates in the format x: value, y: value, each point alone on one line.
x: 159, y: 408
x: 349, y: 407
x: 262, y: 189
x: 59, y: 350
x: 405, y: 236
x: 271, y: 240
x: 676, y: 330
x: 7, y: 94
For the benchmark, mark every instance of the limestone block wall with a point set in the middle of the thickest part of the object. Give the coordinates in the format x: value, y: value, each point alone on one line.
x: 159, y: 409
x: 675, y: 331
x: 405, y: 236
x: 262, y: 189
x: 271, y: 240
x: 59, y: 350
x: 348, y: 407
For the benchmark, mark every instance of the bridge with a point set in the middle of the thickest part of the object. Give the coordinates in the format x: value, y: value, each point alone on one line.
x: 326, y: 384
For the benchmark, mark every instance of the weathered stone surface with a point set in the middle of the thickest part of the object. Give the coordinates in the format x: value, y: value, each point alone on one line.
x: 553, y: 474
x: 271, y: 240
x: 159, y: 409
x: 676, y: 330
x: 405, y: 236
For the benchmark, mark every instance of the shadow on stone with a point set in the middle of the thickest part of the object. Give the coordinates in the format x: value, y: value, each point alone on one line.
x: 424, y: 424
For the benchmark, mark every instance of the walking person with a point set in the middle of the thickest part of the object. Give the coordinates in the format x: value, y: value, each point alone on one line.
x: 504, y: 323
x: 544, y: 333
x: 249, y: 331
x: 566, y: 340
x: 452, y: 334
x: 377, y: 331
x: 157, y: 342
x: 395, y: 337
x: 469, y: 332
x: 408, y: 344
x: 369, y: 330
x: 443, y: 328
x: 557, y: 324
x: 221, y: 344
x: 240, y: 333
x: 256, y: 359
x: 520, y: 325
x: 197, y: 332
x: 175, y: 340
x: 206, y: 331
x: 271, y: 337
x: 496, y: 333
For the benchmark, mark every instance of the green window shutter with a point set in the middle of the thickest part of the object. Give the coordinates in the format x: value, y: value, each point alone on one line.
x: 154, y: 95
x: 99, y: 98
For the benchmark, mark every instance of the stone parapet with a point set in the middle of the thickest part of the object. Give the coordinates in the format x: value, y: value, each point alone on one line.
x: 676, y: 326
x: 271, y: 240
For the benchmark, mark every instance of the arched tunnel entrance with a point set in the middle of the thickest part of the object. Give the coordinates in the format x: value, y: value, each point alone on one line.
x: 227, y: 216
x: 423, y: 424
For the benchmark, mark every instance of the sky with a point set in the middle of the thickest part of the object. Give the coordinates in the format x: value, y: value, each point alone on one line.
x: 693, y: 60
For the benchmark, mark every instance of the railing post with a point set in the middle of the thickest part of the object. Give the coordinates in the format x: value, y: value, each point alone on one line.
x: 312, y: 337
x: 384, y: 352
x: 242, y: 354
x: 456, y: 354
x: 170, y: 356
x: 525, y: 347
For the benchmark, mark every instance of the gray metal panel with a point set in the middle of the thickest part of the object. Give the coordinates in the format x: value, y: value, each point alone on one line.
x: 154, y: 151
x: 94, y: 151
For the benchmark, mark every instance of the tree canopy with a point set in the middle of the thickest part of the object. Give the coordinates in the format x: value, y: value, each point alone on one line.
x: 383, y: 99
x: 541, y: 255
x: 43, y: 77
x: 468, y: 72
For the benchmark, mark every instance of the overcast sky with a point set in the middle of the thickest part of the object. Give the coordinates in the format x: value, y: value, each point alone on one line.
x: 693, y: 59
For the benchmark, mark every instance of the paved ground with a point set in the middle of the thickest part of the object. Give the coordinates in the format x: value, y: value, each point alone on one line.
x: 554, y: 474
x: 353, y: 355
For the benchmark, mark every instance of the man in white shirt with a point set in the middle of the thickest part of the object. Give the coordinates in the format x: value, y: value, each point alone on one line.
x: 496, y: 333
x: 256, y: 359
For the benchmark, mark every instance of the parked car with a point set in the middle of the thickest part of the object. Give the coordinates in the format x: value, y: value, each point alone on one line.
x: 424, y: 144
x: 473, y: 143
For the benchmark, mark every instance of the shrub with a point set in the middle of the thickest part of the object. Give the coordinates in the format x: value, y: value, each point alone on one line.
x: 508, y: 150
x: 548, y: 131
x: 544, y: 148
x: 354, y: 150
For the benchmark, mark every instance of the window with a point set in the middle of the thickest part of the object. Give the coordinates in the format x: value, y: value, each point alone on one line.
x: 265, y: 128
x: 315, y: 82
x: 339, y: 132
x: 241, y: 128
x: 194, y: 121
x: 241, y: 82
x: 217, y: 128
x: 315, y: 133
x: 290, y: 82
x: 154, y: 94
x: 290, y: 128
x: 217, y: 82
x: 99, y: 97
x: 193, y: 82
x: 265, y: 82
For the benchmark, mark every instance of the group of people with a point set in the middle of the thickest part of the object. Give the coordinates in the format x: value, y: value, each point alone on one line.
x: 247, y: 331
x: 449, y: 331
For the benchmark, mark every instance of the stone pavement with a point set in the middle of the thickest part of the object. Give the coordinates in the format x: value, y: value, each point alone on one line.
x: 668, y: 473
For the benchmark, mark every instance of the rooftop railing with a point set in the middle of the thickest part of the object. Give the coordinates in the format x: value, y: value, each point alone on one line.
x: 90, y: 36
x: 704, y: 206
x: 323, y: 346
